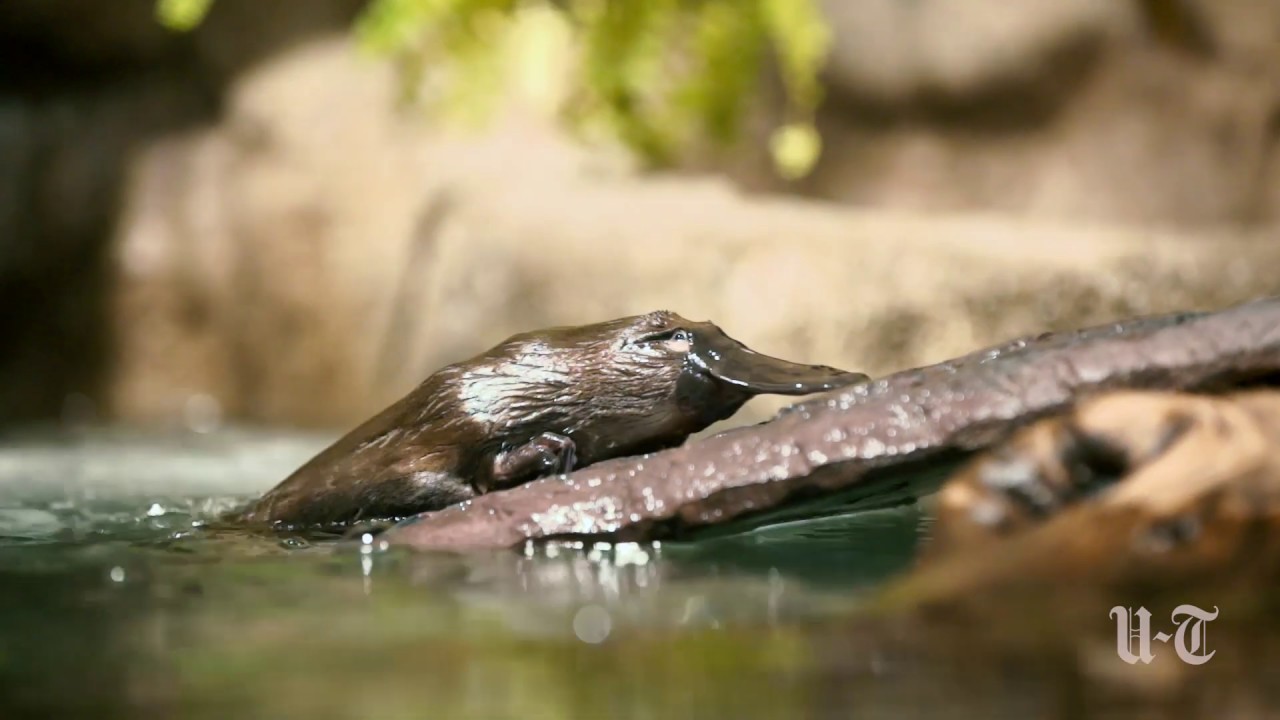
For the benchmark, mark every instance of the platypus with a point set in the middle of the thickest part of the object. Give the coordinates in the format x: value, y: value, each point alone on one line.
x: 537, y: 404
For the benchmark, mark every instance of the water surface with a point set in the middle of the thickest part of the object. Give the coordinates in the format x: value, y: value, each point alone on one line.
x: 116, y: 602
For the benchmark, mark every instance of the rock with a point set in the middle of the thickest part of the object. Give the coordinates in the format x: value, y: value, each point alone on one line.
x: 308, y: 236
x: 1135, y: 514
x: 1198, y: 471
x: 1242, y: 32
x: 892, y: 51
x: 92, y: 85
x: 1093, y: 147
x: 1132, y: 500
x: 314, y: 240
x: 1067, y: 110
x: 258, y: 236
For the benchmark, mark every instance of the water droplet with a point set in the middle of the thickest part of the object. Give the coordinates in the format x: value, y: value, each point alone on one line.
x: 630, y: 554
x: 156, y: 510
x: 592, y: 624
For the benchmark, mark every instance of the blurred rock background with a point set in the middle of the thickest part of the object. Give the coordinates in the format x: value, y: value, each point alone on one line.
x: 243, y: 223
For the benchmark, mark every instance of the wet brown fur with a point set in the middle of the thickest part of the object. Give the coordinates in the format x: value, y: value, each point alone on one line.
x: 621, y: 387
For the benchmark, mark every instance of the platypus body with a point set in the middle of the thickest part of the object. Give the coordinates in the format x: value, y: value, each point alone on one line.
x: 538, y: 404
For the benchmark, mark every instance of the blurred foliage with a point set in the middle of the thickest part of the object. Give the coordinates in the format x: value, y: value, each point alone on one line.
x: 662, y: 76
x: 182, y: 15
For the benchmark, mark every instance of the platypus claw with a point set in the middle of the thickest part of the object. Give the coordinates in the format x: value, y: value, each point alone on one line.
x: 547, y: 454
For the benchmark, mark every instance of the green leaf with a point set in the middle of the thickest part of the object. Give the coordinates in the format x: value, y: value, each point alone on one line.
x: 802, y: 40
x: 658, y: 75
x: 795, y: 149
x: 182, y: 15
x: 729, y: 47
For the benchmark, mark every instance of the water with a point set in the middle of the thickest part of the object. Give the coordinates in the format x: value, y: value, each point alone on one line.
x: 114, y: 602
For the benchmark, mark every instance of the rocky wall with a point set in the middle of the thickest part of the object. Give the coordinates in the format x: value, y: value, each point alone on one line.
x: 297, y: 284
x: 238, y: 223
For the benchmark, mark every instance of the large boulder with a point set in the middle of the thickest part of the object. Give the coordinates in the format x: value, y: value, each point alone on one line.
x: 1155, y: 112
x: 314, y: 256
x: 891, y: 51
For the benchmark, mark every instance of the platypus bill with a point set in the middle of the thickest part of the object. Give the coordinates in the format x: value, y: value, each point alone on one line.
x: 538, y: 404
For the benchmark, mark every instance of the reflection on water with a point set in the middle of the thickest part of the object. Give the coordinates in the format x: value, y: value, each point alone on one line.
x: 114, y: 602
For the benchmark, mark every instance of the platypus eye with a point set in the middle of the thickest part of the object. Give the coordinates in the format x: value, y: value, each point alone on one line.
x: 677, y: 340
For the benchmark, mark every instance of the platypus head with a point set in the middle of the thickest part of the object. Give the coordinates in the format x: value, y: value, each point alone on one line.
x: 635, y: 384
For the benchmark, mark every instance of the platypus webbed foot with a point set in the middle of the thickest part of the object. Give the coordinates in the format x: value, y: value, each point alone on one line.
x: 547, y: 454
